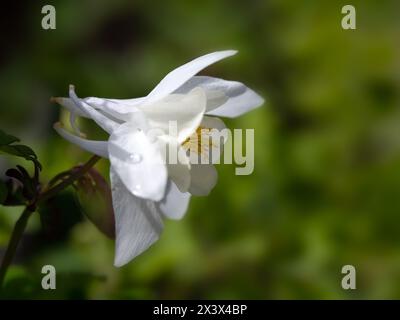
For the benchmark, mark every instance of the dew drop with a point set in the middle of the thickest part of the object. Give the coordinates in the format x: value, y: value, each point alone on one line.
x: 135, y: 157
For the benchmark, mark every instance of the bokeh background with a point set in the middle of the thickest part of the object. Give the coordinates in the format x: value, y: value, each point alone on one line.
x: 325, y: 191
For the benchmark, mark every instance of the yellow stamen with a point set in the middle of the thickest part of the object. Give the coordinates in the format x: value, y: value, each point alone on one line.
x: 199, y: 142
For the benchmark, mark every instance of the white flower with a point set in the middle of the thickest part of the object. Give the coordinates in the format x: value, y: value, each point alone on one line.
x: 145, y: 188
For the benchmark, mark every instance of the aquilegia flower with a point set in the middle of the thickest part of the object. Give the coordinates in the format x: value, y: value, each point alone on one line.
x: 145, y: 185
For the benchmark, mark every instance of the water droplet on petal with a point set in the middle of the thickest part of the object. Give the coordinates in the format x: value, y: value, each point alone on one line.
x: 135, y: 157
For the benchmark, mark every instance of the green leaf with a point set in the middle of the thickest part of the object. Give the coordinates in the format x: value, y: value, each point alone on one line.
x: 7, y: 146
x: 19, y: 151
x: 6, y: 139
x: 10, y: 193
x: 3, y: 192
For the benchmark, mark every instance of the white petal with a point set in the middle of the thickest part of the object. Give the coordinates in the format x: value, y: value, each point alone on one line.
x: 117, y: 108
x: 175, y: 203
x: 120, y: 105
x: 138, y: 222
x: 180, y: 75
x: 203, y: 179
x: 215, y: 98
x: 129, y: 102
x: 138, y: 162
x: 178, y: 165
x: 187, y: 110
x: 70, y: 106
x: 104, y: 122
x: 180, y: 174
x: 96, y: 147
x: 240, y: 100
x: 213, y: 123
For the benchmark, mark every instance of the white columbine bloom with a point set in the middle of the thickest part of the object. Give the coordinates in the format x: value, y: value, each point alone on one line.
x: 145, y: 186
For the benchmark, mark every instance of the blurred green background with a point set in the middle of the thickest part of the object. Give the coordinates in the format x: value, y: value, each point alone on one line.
x: 325, y: 190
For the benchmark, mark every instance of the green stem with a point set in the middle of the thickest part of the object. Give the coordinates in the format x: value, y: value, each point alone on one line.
x: 21, y: 224
x: 13, y: 244
x: 67, y: 182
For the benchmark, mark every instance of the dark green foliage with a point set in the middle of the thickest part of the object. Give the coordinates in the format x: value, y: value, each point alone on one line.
x: 8, y: 146
x: 325, y: 189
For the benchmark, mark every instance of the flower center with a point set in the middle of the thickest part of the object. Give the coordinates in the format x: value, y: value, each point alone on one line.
x: 199, y: 142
